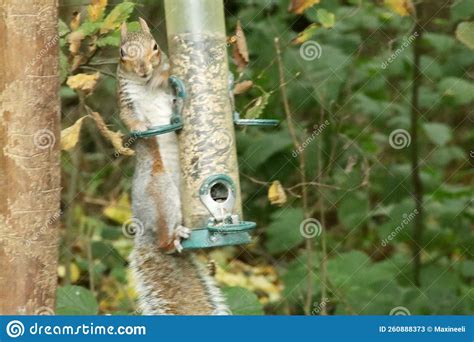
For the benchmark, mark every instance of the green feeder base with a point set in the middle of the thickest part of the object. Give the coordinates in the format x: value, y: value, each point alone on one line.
x: 228, y: 235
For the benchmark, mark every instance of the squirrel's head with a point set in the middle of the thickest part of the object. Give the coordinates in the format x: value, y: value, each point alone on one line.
x: 139, y: 52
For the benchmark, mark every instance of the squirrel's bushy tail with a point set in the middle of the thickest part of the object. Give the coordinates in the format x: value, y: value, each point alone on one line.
x: 174, y: 284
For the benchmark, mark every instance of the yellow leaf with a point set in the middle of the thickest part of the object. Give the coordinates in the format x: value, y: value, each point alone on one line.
x: 96, y: 9
x: 299, y: 6
x: 242, y: 87
x: 117, y: 16
x: 75, y: 21
x: 75, y: 39
x: 114, y: 137
x: 276, y: 194
x: 70, y: 135
x: 401, y: 7
x: 74, y: 269
x: 84, y: 82
x: 119, y: 211
x: 75, y: 272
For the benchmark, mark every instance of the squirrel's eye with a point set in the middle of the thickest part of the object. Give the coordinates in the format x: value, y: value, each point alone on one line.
x: 155, y: 47
x: 122, y: 53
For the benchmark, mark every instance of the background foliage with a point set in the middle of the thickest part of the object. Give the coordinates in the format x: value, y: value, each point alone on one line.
x: 344, y: 104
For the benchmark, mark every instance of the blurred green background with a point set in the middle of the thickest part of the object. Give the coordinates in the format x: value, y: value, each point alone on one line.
x: 340, y: 237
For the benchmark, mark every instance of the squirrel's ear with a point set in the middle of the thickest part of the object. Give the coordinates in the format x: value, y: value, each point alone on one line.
x: 123, y: 30
x: 144, y: 25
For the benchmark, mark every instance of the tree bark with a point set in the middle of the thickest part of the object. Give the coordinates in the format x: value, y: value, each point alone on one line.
x: 29, y: 156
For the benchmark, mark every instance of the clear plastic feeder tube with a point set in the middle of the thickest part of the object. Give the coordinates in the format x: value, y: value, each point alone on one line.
x: 198, y: 55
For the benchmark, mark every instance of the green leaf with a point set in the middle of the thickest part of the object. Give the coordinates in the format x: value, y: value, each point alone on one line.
x: 76, y: 300
x: 259, y: 105
x: 467, y: 268
x: 109, y: 40
x: 353, y: 210
x: 63, y: 67
x: 89, y: 28
x: 264, y: 147
x: 284, y: 231
x: 326, y: 18
x: 438, y: 133
x: 242, y: 301
x: 117, y: 16
x: 460, y: 90
x: 63, y: 29
x: 465, y: 34
x: 462, y: 9
x: 296, y: 280
x: 442, y: 43
x: 307, y: 34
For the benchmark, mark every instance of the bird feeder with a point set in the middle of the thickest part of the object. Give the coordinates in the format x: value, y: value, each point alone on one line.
x: 204, y: 117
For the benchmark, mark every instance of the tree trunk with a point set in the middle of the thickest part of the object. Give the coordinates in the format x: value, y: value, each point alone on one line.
x: 29, y: 156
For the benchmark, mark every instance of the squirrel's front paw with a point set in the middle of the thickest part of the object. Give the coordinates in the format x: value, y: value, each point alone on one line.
x: 141, y: 127
x: 180, y: 233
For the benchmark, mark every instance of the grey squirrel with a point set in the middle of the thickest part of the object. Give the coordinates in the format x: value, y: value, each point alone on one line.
x: 168, y: 282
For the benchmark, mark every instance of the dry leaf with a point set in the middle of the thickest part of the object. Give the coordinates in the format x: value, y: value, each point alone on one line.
x: 96, y: 9
x: 240, y: 53
x: 276, y: 194
x: 299, y: 6
x: 70, y: 135
x: 119, y: 211
x: 114, y: 137
x: 75, y: 21
x: 84, y: 82
x: 262, y: 280
x: 401, y: 7
x: 75, y: 39
x: 242, y: 87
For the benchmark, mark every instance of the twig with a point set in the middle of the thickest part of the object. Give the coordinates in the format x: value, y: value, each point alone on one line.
x: 322, y: 210
x: 417, y: 185
x: 98, y: 70
x: 302, y: 165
